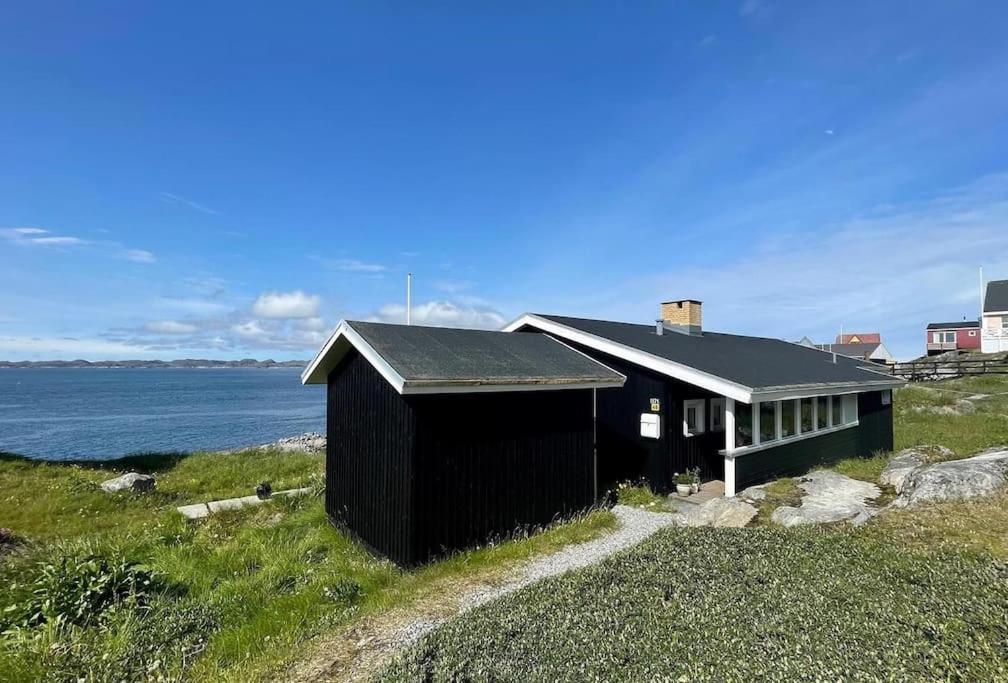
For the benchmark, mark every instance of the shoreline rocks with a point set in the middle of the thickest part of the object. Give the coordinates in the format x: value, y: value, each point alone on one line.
x: 309, y: 442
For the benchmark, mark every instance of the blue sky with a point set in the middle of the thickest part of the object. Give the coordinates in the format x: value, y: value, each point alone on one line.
x: 231, y: 180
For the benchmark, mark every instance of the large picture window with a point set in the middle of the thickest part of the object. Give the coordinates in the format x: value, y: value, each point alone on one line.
x: 768, y: 421
x: 807, y: 424
x: 822, y: 412
x: 743, y: 424
x: 788, y: 418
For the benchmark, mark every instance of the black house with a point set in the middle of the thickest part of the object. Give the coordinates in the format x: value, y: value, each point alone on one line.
x: 439, y: 439
x: 741, y: 409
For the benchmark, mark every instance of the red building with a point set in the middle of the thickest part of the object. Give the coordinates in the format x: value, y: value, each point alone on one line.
x: 859, y: 338
x: 960, y: 336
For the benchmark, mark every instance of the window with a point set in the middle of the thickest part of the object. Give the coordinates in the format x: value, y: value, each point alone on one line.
x: 972, y: 333
x: 717, y: 408
x: 822, y: 412
x: 788, y: 418
x: 837, y: 410
x: 806, y: 415
x: 949, y: 338
x: 650, y: 426
x: 886, y: 397
x: 768, y: 421
x: 693, y: 417
x: 850, y: 408
x: 743, y: 424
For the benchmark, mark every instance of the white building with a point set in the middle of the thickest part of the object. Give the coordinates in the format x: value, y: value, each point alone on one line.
x: 994, y: 332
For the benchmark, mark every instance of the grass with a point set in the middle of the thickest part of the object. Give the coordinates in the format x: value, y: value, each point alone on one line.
x: 240, y: 595
x: 736, y: 605
x: 917, y: 424
x: 641, y: 496
x: 778, y: 493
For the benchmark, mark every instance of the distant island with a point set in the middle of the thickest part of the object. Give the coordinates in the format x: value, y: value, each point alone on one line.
x: 182, y: 363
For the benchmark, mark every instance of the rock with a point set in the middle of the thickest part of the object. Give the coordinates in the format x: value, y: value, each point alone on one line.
x: 197, y: 511
x: 308, y: 442
x: 720, y: 512
x: 900, y: 466
x: 753, y: 493
x: 980, y: 475
x: 140, y: 483
x: 829, y: 497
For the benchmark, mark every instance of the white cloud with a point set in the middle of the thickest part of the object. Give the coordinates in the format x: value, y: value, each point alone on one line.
x: 250, y: 330
x: 66, y: 348
x: 29, y: 231
x: 170, y: 327
x: 56, y: 241
x: 312, y: 324
x: 893, y: 271
x: 138, y: 255
x: 284, y: 305
x: 177, y: 200
x: 443, y: 314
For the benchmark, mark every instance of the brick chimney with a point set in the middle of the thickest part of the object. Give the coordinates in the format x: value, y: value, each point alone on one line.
x: 681, y: 316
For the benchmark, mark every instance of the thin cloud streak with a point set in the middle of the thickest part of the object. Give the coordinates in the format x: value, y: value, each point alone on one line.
x: 177, y: 200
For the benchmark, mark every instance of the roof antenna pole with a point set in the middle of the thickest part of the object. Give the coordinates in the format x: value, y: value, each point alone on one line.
x: 409, y: 296
x: 981, y: 299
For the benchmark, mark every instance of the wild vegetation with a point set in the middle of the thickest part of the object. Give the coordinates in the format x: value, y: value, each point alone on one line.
x: 121, y: 587
x: 737, y: 605
x: 917, y: 594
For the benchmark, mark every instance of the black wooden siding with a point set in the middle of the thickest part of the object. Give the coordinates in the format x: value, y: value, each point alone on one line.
x: 874, y: 433
x: 416, y: 477
x: 624, y: 455
x: 488, y: 464
x: 369, y: 462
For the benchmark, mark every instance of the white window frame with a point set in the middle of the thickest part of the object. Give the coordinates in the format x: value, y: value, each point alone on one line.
x: 714, y: 404
x: 972, y: 333
x: 796, y: 427
x: 849, y: 418
x: 701, y: 416
x: 776, y: 419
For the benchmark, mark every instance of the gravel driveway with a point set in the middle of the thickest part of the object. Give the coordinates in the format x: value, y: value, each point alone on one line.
x: 374, y: 642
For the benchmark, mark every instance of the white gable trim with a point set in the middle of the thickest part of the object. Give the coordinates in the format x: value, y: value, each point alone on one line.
x: 719, y: 385
x: 345, y: 335
x: 685, y: 373
x: 316, y: 373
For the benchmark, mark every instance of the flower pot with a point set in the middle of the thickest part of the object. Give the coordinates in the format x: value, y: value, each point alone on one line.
x: 695, y: 488
x: 683, y: 489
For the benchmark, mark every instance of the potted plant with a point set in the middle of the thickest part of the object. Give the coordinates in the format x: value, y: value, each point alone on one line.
x: 684, y: 484
x: 695, y: 483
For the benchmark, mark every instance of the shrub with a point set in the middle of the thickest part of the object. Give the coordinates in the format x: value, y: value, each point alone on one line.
x: 264, y: 490
x: 76, y: 589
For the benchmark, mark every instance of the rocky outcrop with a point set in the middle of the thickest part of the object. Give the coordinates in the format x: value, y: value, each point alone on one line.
x: 829, y: 497
x: 141, y: 483
x: 753, y: 493
x: 980, y: 475
x: 720, y: 512
x: 902, y: 464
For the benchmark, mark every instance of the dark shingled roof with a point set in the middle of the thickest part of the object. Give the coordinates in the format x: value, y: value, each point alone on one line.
x: 429, y: 356
x: 997, y: 296
x: 963, y: 324
x: 755, y: 362
x: 853, y: 350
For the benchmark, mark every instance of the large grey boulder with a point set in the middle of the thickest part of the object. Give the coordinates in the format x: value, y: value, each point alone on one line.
x: 720, y: 512
x: 753, y: 493
x: 829, y: 497
x: 900, y: 466
x: 130, y: 481
x: 980, y: 475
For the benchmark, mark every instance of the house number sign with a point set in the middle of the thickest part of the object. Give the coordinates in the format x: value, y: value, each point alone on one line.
x: 655, y: 405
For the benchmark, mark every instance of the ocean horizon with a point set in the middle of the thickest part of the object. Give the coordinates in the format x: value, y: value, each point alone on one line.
x: 106, y: 413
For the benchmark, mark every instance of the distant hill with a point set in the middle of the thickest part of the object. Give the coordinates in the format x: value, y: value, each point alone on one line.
x: 182, y: 363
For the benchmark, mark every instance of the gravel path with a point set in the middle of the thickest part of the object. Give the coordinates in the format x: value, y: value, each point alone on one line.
x: 362, y: 651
